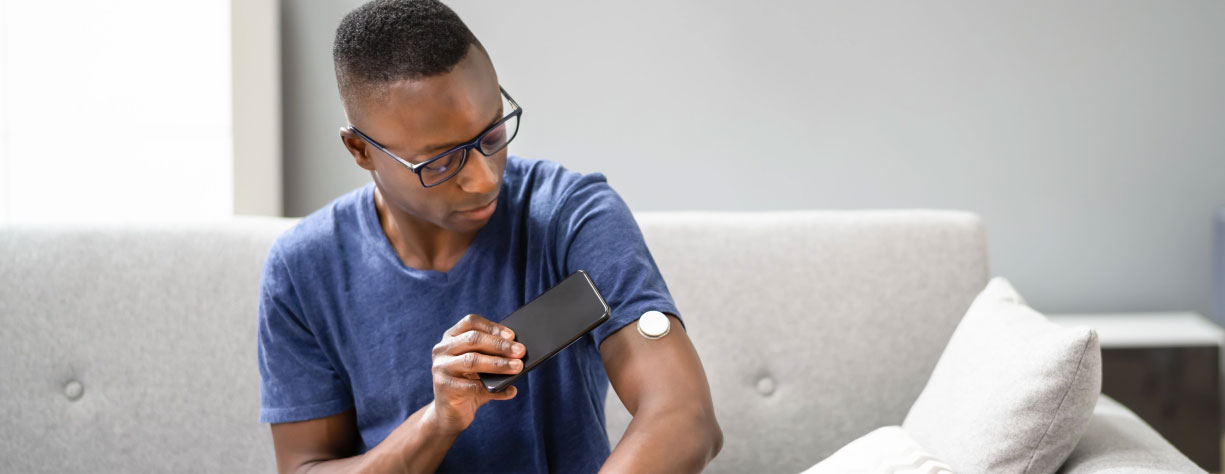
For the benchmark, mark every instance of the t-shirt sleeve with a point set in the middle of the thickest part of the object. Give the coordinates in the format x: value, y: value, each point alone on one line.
x: 297, y: 379
x: 597, y: 232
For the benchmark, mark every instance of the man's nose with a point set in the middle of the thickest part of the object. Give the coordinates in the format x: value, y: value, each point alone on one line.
x: 477, y: 176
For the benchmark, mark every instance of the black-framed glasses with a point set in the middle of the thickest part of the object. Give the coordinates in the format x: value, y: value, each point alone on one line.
x: 447, y: 164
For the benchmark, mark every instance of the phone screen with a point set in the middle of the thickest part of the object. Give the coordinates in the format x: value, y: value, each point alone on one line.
x: 552, y: 321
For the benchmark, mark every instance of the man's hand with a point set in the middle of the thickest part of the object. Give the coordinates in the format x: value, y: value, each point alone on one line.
x: 473, y: 345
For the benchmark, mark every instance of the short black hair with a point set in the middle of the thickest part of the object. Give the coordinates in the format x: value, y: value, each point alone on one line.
x: 390, y: 40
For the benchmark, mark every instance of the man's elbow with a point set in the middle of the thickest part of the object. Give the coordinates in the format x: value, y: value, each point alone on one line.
x: 706, y: 437
x: 714, y: 437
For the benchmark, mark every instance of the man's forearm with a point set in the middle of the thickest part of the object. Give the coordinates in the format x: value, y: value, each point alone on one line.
x: 666, y: 442
x: 417, y: 445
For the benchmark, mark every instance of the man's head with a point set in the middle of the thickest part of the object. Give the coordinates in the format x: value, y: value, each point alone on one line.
x: 413, y: 78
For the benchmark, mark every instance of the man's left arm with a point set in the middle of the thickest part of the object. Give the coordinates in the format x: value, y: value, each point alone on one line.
x: 660, y: 381
x: 662, y: 384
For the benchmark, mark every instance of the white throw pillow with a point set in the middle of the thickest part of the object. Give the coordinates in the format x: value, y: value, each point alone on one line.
x: 887, y: 450
x: 1012, y: 392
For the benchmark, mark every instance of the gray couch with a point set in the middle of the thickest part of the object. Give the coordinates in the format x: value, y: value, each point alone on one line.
x: 131, y: 347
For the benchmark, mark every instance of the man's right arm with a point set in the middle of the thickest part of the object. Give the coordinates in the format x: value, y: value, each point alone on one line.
x: 328, y: 444
x: 419, y: 444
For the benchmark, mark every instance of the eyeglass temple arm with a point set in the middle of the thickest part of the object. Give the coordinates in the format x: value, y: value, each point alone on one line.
x: 371, y: 141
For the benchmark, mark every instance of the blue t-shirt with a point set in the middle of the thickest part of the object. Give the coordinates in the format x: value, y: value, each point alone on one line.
x: 343, y: 323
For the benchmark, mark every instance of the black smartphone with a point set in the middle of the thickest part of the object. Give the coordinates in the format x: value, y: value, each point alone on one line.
x: 552, y: 321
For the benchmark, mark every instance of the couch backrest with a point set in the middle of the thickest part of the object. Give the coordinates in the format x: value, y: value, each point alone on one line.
x: 130, y: 347
x: 814, y: 327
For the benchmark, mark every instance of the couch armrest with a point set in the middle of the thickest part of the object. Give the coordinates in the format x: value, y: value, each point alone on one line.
x: 1117, y: 441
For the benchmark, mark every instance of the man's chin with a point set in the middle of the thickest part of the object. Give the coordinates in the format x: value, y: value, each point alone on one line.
x: 475, y: 218
x: 458, y: 224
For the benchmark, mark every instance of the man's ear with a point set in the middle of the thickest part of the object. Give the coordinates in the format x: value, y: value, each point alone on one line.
x: 357, y: 147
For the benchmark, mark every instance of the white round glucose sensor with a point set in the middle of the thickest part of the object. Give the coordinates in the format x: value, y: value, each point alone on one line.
x: 653, y: 325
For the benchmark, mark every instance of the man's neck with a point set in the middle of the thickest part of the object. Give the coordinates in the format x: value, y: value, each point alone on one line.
x: 419, y: 244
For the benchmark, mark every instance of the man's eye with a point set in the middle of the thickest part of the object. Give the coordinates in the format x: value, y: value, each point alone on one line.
x: 441, y: 165
x: 495, y: 138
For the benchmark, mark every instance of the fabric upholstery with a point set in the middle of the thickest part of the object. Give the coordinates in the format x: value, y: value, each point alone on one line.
x: 1119, y: 442
x: 886, y: 450
x: 814, y: 327
x: 1012, y: 392
x: 156, y: 326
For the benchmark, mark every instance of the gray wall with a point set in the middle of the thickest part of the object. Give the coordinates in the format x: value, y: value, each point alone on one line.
x: 1089, y: 135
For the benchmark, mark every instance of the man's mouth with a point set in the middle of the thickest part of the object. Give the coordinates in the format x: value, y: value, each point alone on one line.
x: 481, y: 211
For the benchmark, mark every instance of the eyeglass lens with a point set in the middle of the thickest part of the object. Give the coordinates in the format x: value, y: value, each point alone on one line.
x: 443, y: 168
x: 492, y: 142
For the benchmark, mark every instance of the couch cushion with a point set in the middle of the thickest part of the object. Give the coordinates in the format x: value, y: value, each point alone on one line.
x: 1012, y: 392
x: 886, y: 450
x: 814, y: 327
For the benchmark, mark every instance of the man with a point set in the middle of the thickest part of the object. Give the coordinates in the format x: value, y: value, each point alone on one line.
x: 377, y: 311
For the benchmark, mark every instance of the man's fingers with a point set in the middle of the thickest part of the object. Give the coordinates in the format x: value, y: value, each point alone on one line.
x: 459, y: 384
x: 474, y: 322
x: 485, y: 343
x: 507, y: 394
x: 474, y: 362
x: 477, y: 388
